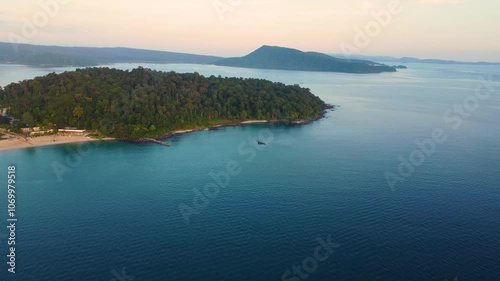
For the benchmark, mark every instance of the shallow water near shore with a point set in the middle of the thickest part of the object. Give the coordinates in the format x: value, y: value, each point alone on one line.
x: 115, y: 208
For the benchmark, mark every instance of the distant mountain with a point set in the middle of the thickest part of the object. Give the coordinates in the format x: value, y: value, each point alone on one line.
x: 37, y: 55
x: 415, y: 60
x: 269, y: 57
x: 266, y: 57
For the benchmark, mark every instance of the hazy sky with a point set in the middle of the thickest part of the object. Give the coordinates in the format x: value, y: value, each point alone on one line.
x: 448, y: 29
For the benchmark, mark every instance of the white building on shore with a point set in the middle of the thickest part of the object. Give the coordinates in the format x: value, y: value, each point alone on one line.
x: 72, y: 132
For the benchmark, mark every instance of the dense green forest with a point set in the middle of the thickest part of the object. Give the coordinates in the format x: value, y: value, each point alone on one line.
x: 146, y: 103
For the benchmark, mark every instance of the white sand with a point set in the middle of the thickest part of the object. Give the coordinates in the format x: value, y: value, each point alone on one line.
x: 18, y: 143
x: 182, y: 132
x: 254, y: 121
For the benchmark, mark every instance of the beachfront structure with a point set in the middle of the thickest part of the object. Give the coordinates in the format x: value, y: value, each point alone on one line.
x: 72, y: 132
x: 41, y: 133
x: 36, y: 131
x: 29, y: 130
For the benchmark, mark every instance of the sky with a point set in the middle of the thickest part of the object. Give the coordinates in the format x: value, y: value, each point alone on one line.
x: 467, y: 30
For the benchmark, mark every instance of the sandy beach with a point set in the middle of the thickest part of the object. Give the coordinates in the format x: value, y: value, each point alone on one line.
x: 182, y: 132
x: 19, y: 143
x: 254, y: 121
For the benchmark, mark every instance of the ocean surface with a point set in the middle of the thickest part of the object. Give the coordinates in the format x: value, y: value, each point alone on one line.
x: 401, y: 182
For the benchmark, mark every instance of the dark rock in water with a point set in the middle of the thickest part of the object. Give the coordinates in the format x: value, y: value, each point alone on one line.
x: 331, y: 107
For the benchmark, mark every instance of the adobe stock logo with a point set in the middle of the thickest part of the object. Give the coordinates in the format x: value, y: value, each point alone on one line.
x: 454, y: 118
x: 40, y: 19
x: 311, y: 264
x: 222, y: 7
x: 372, y: 29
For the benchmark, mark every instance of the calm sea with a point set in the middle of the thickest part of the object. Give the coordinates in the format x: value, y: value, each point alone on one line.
x: 402, y: 182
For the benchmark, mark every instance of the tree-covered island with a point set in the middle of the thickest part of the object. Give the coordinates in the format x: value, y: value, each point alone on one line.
x: 144, y: 103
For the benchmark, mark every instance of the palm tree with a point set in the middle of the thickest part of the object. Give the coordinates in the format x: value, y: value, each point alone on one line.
x: 78, y: 113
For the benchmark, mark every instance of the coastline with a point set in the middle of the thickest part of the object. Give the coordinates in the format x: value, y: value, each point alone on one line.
x: 242, y: 123
x: 15, y: 143
x: 230, y: 124
x: 209, y: 128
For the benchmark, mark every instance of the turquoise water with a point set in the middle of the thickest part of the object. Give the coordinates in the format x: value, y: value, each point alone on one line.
x: 115, y: 209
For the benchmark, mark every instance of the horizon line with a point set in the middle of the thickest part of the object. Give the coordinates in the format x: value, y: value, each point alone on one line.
x: 336, y: 55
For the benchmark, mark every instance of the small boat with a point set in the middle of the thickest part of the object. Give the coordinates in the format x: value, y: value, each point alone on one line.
x: 261, y: 143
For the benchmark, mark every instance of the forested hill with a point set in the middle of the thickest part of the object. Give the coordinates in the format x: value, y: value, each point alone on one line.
x: 271, y: 57
x: 50, y: 56
x: 146, y: 103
